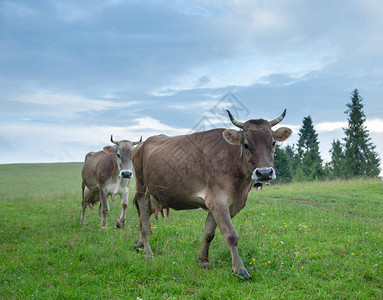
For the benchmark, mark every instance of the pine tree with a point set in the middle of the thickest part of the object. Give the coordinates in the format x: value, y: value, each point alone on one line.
x: 337, y: 160
x: 360, y: 156
x: 308, y: 151
x: 296, y: 163
x: 282, y: 164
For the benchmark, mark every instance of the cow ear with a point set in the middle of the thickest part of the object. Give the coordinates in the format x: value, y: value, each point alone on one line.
x: 282, y: 134
x: 109, y: 149
x: 232, y: 136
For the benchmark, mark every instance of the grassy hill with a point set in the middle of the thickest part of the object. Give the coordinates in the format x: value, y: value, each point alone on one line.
x: 302, y: 240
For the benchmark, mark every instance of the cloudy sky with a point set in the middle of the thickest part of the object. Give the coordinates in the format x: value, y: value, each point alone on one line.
x: 74, y: 72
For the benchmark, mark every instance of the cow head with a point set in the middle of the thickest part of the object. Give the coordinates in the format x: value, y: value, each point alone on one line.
x: 257, y: 141
x: 123, y: 151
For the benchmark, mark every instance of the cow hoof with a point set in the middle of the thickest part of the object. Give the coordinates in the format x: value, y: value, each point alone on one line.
x: 139, y: 246
x: 244, y: 275
x: 139, y: 250
x: 205, y: 265
x: 119, y: 225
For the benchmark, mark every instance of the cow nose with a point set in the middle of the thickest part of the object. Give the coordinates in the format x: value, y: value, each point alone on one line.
x: 263, y: 174
x: 126, y: 174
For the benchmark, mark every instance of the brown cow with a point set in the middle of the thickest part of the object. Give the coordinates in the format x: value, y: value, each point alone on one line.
x: 107, y: 173
x: 212, y: 170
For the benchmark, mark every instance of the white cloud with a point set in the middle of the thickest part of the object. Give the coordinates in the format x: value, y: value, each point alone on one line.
x: 200, y: 105
x: 375, y: 125
x: 64, y: 104
x: 250, y: 69
x: 329, y: 126
x: 259, y: 16
x: 148, y: 123
x: 56, y: 143
x: 373, y: 7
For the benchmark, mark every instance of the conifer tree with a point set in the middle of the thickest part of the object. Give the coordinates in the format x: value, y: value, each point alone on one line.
x: 282, y: 164
x: 337, y: 160
x: 361, y: 158
x: 308, y: 151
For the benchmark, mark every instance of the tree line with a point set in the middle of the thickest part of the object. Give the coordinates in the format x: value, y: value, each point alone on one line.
x: 354, y: 156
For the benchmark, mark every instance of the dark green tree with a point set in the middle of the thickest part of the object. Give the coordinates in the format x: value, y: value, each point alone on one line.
x: 283, y: 165
x: 337, y: 163
x: 296, y: 162
x: 361, y: 159
x: 308, y: 155
x: 290, y: 153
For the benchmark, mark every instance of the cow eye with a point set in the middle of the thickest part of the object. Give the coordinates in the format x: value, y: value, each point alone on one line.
x: 247, y: 147
x: 274, y: 143
x: 118, y: 155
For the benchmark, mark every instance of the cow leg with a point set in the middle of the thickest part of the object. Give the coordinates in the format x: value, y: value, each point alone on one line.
x: 221, y: 215
x: 100, y: 211
x: 104, y: 205
x: 124, y: 206
x: 208, y: 236
x: 86, y: 196
x: 84, y: 205
x: 145, y: 212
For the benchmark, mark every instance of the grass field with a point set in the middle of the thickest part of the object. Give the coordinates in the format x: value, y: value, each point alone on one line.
x: 319, y: 240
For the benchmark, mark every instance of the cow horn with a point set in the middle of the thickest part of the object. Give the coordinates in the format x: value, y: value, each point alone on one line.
x: 278, y: 120
x: 234, y: 121
x: 111, y: 139
x: 135, y: 143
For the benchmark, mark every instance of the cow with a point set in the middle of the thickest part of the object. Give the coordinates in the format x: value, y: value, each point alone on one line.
x: 107, y: 173
x: 212, y: 170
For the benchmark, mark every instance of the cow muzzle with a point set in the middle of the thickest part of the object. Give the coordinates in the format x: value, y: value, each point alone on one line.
x: 263, y: 174
x: 126, y: 174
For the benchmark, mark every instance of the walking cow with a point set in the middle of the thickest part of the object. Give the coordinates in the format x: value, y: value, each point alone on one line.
x: 212, y: 170
x: 107, y: 173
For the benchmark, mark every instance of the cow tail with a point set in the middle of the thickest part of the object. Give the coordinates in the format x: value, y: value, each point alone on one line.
x: 135, y: 201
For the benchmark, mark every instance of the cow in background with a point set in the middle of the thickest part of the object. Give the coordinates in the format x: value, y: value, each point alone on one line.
x: 107, y: 173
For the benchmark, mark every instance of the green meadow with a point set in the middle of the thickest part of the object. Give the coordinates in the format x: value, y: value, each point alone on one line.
x: 318, y: 240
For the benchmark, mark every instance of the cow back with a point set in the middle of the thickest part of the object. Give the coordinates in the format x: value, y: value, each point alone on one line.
x: 181, y: 170
x: 99, y: 167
